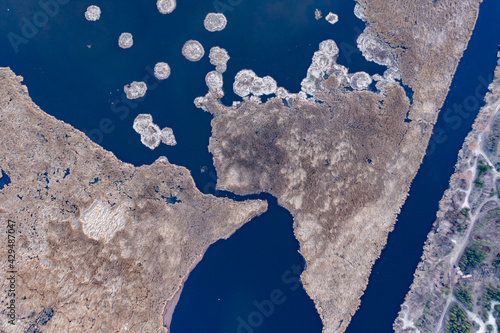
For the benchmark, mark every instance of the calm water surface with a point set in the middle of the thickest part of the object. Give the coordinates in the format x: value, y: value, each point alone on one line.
x: 75, y: 71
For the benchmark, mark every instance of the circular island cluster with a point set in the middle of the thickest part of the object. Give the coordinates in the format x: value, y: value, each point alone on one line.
x: 151, y: 135
x: 359, y: 12
x: 93, y: 13
x: 193, y: 50
x: 332, y: 18
x: 282, y: 93
x: 247, y: 82
x: 329, y: 47
x: 322, y: 61
x: 219, y: 58
x: 162, y: 71
x: 166, y: 6
x: 214, y: 80
x: 135, y: 90
x: 126, y: 40
x: 375, y: 49
x: 360, y: 80
x: 215, y: 22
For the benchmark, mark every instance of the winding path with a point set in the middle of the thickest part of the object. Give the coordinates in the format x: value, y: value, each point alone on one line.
x: 461, y: 242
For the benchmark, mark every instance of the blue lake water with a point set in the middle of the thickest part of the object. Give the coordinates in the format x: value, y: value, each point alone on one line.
x: 247, y: 282
x: 4, y: 179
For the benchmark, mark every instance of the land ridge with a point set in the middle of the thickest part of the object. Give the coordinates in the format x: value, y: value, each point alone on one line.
x: 342, y: 161
x: 460, y: 258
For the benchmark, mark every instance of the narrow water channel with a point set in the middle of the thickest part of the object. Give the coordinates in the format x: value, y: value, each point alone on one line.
x: 392, y: 273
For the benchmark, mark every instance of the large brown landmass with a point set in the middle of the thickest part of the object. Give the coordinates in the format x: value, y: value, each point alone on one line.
x: 98, y: 248
x: 468, y: 219
x: 343, y: 165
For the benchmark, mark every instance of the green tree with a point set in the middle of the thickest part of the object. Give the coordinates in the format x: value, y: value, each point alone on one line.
x: 491, y: 294
x: 479, y: 183
x: 496, y: 262
x: 483, y: 169
x: 463, y: 295
x: 458, y: 322
x: 471, y: 258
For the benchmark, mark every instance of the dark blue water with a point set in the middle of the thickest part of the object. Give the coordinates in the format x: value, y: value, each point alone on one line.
x: 393, y: 273
x: 247, y: 283
x: 4, y: 180
x: 76, y: 72
x: 84, y: 86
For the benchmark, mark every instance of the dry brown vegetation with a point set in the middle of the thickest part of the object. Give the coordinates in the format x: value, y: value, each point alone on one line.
x: 343, y: 166
x: 96, y: 256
